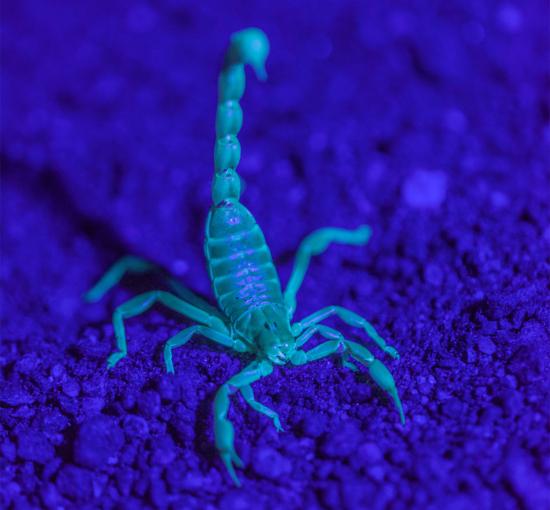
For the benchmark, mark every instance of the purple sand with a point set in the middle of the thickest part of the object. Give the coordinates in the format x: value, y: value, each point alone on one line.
x: 431, y: 124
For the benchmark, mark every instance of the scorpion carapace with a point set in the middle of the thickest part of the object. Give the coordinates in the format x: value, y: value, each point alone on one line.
x: 254, y: 315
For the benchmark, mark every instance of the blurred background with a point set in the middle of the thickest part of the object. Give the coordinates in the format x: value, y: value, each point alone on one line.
x: 430, y: 121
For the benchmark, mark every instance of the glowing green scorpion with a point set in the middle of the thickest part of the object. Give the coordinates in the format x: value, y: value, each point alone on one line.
x: 256, y: 315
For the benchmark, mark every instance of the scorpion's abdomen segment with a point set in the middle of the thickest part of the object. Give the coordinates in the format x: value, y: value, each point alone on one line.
x: 240, y: 264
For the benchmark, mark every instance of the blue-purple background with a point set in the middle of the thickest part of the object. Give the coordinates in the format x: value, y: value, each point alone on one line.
x: 428, y: 120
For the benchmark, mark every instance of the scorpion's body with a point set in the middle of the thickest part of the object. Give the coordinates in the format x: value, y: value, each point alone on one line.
x: 254, y: 314
x: 241, y: 269
x: 243, y: 276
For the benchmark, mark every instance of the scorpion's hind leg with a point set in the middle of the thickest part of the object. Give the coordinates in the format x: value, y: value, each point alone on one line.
x: 114, y: 274
x: 223, y: 428
x: 314, y: 244
x: 141, y: 304
x: 137, y: 265
x: 377, y: 370
x: 184, y: 336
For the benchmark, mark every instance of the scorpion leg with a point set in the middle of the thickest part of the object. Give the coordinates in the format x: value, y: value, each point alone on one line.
x: 309, y: 332
x: 223, y: 428
x: 114, y: 274
x: 350, y: 318
x: 377, y: 370
x: 248, y: 395
x: 314, y: 244
x: 137, y: 265
x: 142, y: 303
x: 184, y: 336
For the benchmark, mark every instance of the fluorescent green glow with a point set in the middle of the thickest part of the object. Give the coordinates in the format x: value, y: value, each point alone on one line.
x: 254, y: 315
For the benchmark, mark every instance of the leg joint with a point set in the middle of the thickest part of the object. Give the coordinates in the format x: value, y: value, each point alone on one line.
x: 342, y: 346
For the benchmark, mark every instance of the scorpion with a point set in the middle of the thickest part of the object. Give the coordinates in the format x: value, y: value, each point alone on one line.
x: 254, y: 315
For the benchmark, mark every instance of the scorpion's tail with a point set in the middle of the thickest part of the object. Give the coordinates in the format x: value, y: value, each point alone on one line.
x: 249, y: 46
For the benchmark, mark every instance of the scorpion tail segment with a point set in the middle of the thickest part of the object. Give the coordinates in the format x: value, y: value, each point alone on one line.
x: 382, y: 376
x: 249, y: 46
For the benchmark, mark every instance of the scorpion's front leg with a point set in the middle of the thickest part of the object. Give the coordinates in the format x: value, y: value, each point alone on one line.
x: 184, y: 336
x: 142, y: 303
x: 223, y: 428
x: 337, y: 344
x: 350, y: 318
x: 308, y: 333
